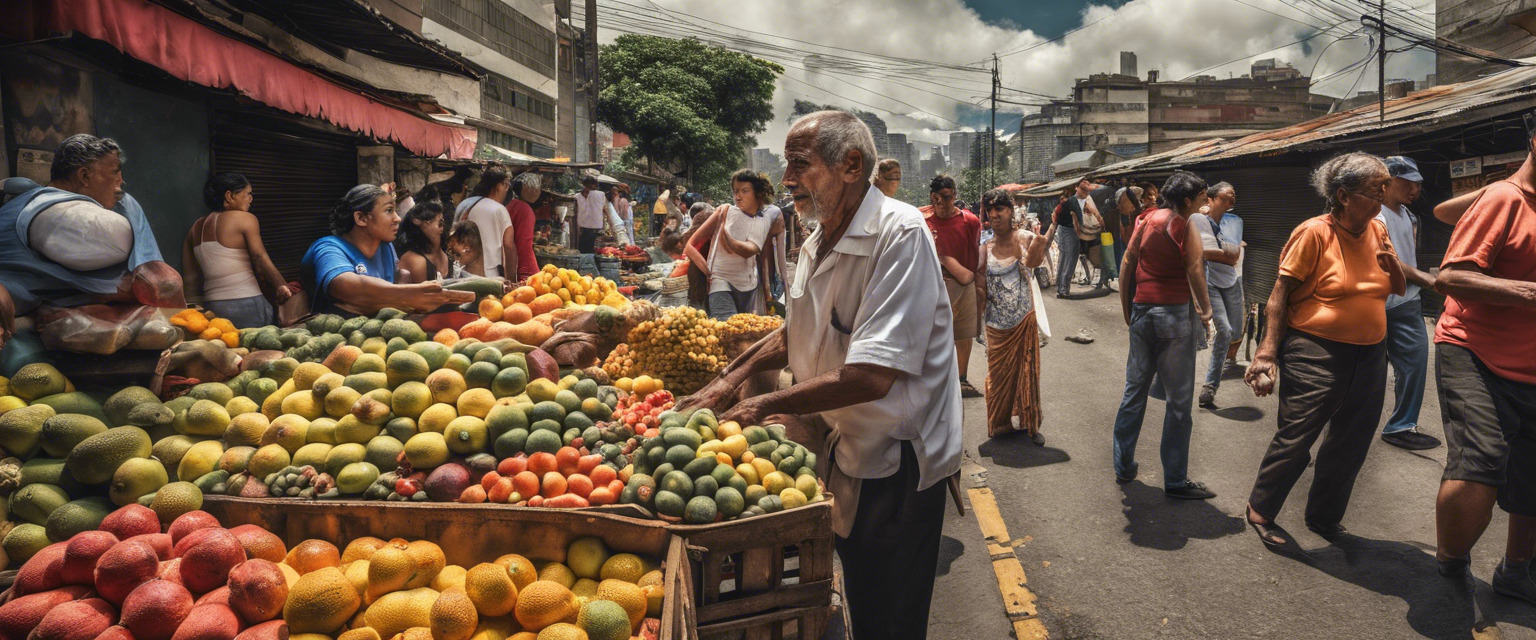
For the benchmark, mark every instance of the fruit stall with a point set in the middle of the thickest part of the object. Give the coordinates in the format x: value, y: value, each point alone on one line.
x: 518, y: 468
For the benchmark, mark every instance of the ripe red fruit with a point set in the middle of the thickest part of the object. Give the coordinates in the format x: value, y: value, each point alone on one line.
x: 43, y: 571
x: 206, y: 566
x: 124, y: 567
x: 257, y: 591
x: 81, y: 553
x: 190, y: 521
x: 78, y: 620
x: 131, y: 520
x: 155, y: 609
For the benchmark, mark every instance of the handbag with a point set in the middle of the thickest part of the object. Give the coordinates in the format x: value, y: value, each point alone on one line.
x: 1091, y: 226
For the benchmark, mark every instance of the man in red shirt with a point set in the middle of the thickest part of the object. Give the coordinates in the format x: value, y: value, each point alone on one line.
x: 526, y: 185
x: 957, y: 236
x: 1485, y: 357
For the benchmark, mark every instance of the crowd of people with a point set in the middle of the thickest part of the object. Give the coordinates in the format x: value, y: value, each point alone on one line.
x: 885, y: 301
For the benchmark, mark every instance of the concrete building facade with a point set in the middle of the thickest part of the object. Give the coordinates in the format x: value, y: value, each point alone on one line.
x: 516, y: 42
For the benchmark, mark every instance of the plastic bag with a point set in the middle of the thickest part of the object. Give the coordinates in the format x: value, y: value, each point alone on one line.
x: 102, y: 329
x: 158, y: 285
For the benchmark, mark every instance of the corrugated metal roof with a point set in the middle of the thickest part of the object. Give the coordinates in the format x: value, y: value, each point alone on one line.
x: 1426, y: 110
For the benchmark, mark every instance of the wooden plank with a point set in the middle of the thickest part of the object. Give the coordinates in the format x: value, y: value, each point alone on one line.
x: 758, y: 621
x: 677, y: 565
x: 816, y: 594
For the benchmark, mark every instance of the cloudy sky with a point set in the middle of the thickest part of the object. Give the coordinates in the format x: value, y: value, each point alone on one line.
x: 924, y: 65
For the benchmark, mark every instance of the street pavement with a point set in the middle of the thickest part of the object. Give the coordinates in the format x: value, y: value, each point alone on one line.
x: 1106, y: 561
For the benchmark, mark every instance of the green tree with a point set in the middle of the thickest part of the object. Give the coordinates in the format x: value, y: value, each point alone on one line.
x: 687, y: 106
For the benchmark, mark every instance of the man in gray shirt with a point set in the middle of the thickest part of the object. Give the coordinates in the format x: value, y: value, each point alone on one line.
x: 1221, y: 234
x: 1407, y: 341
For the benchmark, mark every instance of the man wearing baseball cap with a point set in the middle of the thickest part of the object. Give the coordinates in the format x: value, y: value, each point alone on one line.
x: 1407, y: 340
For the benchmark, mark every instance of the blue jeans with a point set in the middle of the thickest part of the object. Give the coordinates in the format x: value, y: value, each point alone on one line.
x: 1408, y: 351
x: 1066, y: 263
x: 1227, y: 315
x: 1162, y: 344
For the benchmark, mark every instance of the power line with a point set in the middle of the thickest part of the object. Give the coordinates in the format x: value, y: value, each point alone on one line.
x: 1046, y: 42
x: 1250, y: 55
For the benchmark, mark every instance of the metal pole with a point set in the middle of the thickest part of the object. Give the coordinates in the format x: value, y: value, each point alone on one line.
x: 1381, y: 62
x: 592, y: 80
x: 992, y: 133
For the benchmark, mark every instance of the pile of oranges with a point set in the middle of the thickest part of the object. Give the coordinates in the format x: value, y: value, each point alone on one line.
x: 204, y: 325
x: 569, y: 286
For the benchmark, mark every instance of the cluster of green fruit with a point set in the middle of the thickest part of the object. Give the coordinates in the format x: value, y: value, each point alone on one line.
x: 65, y: 468
x: 321, y: 335
x: 701, y: 471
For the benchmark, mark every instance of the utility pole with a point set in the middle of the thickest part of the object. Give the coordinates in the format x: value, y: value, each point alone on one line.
x: 1381, y: 61
x: 589, y: 41
x: 992, y: 133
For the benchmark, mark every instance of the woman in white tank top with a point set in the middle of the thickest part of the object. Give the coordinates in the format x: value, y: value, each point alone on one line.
x: 222, y: 253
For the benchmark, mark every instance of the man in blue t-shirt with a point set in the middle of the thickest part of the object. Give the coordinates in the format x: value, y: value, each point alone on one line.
x: 352, y: 271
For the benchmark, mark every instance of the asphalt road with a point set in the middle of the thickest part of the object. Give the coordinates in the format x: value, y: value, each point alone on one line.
x: 1107, y: 561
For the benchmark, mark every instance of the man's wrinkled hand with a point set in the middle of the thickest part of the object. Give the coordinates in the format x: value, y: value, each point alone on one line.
x: 748, y: 412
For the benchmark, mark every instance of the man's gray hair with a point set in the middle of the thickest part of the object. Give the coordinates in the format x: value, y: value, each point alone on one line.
x: 838, y: 133
x: 524, y: 180
x: 80, y: 150
x: 1218, y: 188
x: 1350, y: 172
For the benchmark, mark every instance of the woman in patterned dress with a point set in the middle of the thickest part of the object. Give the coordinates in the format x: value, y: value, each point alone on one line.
x: 1008, y: 310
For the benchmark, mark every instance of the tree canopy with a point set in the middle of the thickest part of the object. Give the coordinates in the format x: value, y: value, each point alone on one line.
x: 690, y: 107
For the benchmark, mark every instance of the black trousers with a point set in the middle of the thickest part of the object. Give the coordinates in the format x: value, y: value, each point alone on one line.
x: 586, y: 239
x: 1329, y: 384
x: 892, y: 555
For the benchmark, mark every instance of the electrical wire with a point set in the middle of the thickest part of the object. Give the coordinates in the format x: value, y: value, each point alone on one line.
x: 1251, y: 55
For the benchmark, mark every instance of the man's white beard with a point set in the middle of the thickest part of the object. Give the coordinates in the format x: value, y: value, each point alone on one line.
x: 813, y: 212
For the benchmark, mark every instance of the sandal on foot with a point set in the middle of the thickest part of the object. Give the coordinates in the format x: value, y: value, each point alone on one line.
x: 1270, y: 534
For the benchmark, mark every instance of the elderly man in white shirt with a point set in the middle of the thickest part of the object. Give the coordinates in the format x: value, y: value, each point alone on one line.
x: 868, y: 341
x: 591, y: 214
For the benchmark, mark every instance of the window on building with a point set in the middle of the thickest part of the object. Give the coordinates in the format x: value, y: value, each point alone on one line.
x: 515, y: 102
x: 500, y: 27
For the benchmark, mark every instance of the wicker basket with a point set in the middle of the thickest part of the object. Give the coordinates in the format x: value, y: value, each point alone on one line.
x: 674, y: 286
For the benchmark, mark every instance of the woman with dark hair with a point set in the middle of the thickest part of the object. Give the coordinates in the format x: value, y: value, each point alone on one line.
x: 223, y: 252
x: 464, y: 243
x: 1006, y: 305
x: 1324, y: 340
x: 737, y: 235
x: 1163, y: 266
x: 352, y: 271
x: 487, y: 208
x: 421, y: 246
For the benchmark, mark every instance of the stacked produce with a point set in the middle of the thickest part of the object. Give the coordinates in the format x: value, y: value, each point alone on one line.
x: 199, y: 581
x: 64, y: 469
x: 682, y: 346
x: 701, y: 471
x: 570, y: 286
x: 205, y: 325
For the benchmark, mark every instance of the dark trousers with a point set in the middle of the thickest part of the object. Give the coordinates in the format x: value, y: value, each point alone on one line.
x: 892, y: 555
x: 1330, y: 384
x: 586, y: 240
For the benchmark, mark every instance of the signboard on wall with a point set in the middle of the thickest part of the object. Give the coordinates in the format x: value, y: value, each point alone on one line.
x: 1466, y: 168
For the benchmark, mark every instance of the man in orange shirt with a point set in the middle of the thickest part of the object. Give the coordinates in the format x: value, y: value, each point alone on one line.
x: 1486, y: 370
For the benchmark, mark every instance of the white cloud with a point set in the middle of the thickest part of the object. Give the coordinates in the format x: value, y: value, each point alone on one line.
x: 1176, y: 37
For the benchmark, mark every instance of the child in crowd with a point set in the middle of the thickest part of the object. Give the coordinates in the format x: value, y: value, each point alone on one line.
x: 464, y: 245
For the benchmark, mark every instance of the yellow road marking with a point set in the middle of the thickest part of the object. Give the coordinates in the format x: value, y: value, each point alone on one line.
x: 1018, y: 600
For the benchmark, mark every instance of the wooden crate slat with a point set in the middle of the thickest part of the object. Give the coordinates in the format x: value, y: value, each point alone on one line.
x: 816, y: 594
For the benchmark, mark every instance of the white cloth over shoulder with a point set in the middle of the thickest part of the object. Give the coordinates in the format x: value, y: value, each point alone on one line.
x: 81, y: 235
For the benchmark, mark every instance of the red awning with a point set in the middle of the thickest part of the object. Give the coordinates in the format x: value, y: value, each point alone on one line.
x: 190, y: 51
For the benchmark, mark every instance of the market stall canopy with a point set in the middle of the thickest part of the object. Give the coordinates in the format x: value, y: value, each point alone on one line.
x: 1083, y: 161
x: 514, y: 158
x: 353, y: 24
x: 190, y: 51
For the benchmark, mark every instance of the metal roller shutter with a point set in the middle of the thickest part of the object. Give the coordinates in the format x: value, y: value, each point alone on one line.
x: 296, y: 176
x: 1272, y: 202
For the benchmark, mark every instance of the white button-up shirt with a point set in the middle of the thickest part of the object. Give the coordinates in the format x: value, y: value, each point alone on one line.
x: 589, y: 209
x: 876, y: 298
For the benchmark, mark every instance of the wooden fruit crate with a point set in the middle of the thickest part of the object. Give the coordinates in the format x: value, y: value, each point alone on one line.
x: 468, y: 533
x: 763, y: 577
